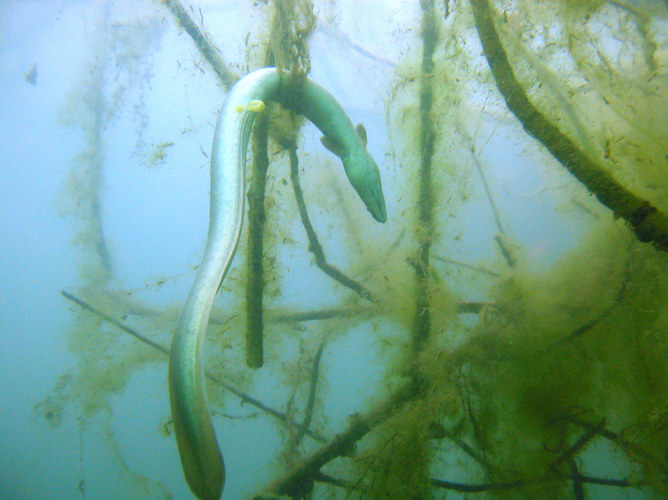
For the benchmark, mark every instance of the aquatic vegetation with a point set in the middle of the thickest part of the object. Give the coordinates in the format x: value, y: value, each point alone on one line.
x: 158, y: 154
x: 481, y: 341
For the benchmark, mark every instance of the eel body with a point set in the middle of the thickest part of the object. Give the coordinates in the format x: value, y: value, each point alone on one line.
x: 200, y: 455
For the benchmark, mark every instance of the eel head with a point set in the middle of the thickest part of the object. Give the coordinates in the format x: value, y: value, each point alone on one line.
x: 364, y: 176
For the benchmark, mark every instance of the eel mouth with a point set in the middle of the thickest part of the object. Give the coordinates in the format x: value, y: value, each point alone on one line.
x: 377, y: 209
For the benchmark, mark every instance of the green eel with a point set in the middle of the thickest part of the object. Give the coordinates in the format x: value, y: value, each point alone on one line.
x: 200, y: 455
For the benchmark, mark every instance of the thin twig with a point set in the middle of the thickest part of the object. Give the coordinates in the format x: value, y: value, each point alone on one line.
x: 469, y: 451
x: 310, y: 404
x: 485, y: 184
x: 472, y: 306
x: 579, y: 444
x: 143, y: 338
x: 207, y: 49
x: 86, y: 306
x: 578, y: 479
x: 620, y: 483
x: 321, y: 477
x: 505, y: 250
x: 463, y: 307
x: 313, y: 243
x: 323, y: 314
x: 467, y: 266
x: 462, y: 387
x: 604, y: 314
x: 578, y: 483
x: 578, y: 486
x: 476, y: 488
x: 632, y: 449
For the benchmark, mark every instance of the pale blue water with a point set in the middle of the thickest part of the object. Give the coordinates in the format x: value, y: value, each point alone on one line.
x: 159, y: 96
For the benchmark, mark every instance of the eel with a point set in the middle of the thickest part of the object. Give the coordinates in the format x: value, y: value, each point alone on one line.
x: 200, y: 454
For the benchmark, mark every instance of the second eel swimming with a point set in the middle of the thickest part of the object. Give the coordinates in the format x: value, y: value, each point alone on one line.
x: 200, y: 455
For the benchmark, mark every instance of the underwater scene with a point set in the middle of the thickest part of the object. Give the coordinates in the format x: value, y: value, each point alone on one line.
x: 319, y: 249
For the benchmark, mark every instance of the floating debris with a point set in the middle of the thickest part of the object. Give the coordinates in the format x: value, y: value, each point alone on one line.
x: 31, y: 76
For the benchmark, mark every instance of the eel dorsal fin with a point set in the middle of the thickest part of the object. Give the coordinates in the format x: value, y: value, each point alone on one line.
x: 361, y: 131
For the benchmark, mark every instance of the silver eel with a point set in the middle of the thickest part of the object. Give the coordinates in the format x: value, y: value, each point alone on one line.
x: 200, y: 455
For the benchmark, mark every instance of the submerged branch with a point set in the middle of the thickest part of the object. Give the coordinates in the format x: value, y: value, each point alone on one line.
x: 299, y: 481
x: 87, y: 307
x: 310, y: 404
x: 467, y: 266
x: 505, y: 250
x: 575, y: 448
x: 472, y: 307
x: 208, y: 50
x: 463, y: 307
x: 323, y: 314
x: 578, y: 486
x: 500, y: 238
x: 604, y: 314
x: 425, y: 227
x: 313, y: 243
x: 632, y: 449
x: 645, y: 220
x: 254, y: 252
x: 466, y: 448
x: 488, y: 191
x: 476, y: 488
x: 143, y: 338
x: 578, y: 481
